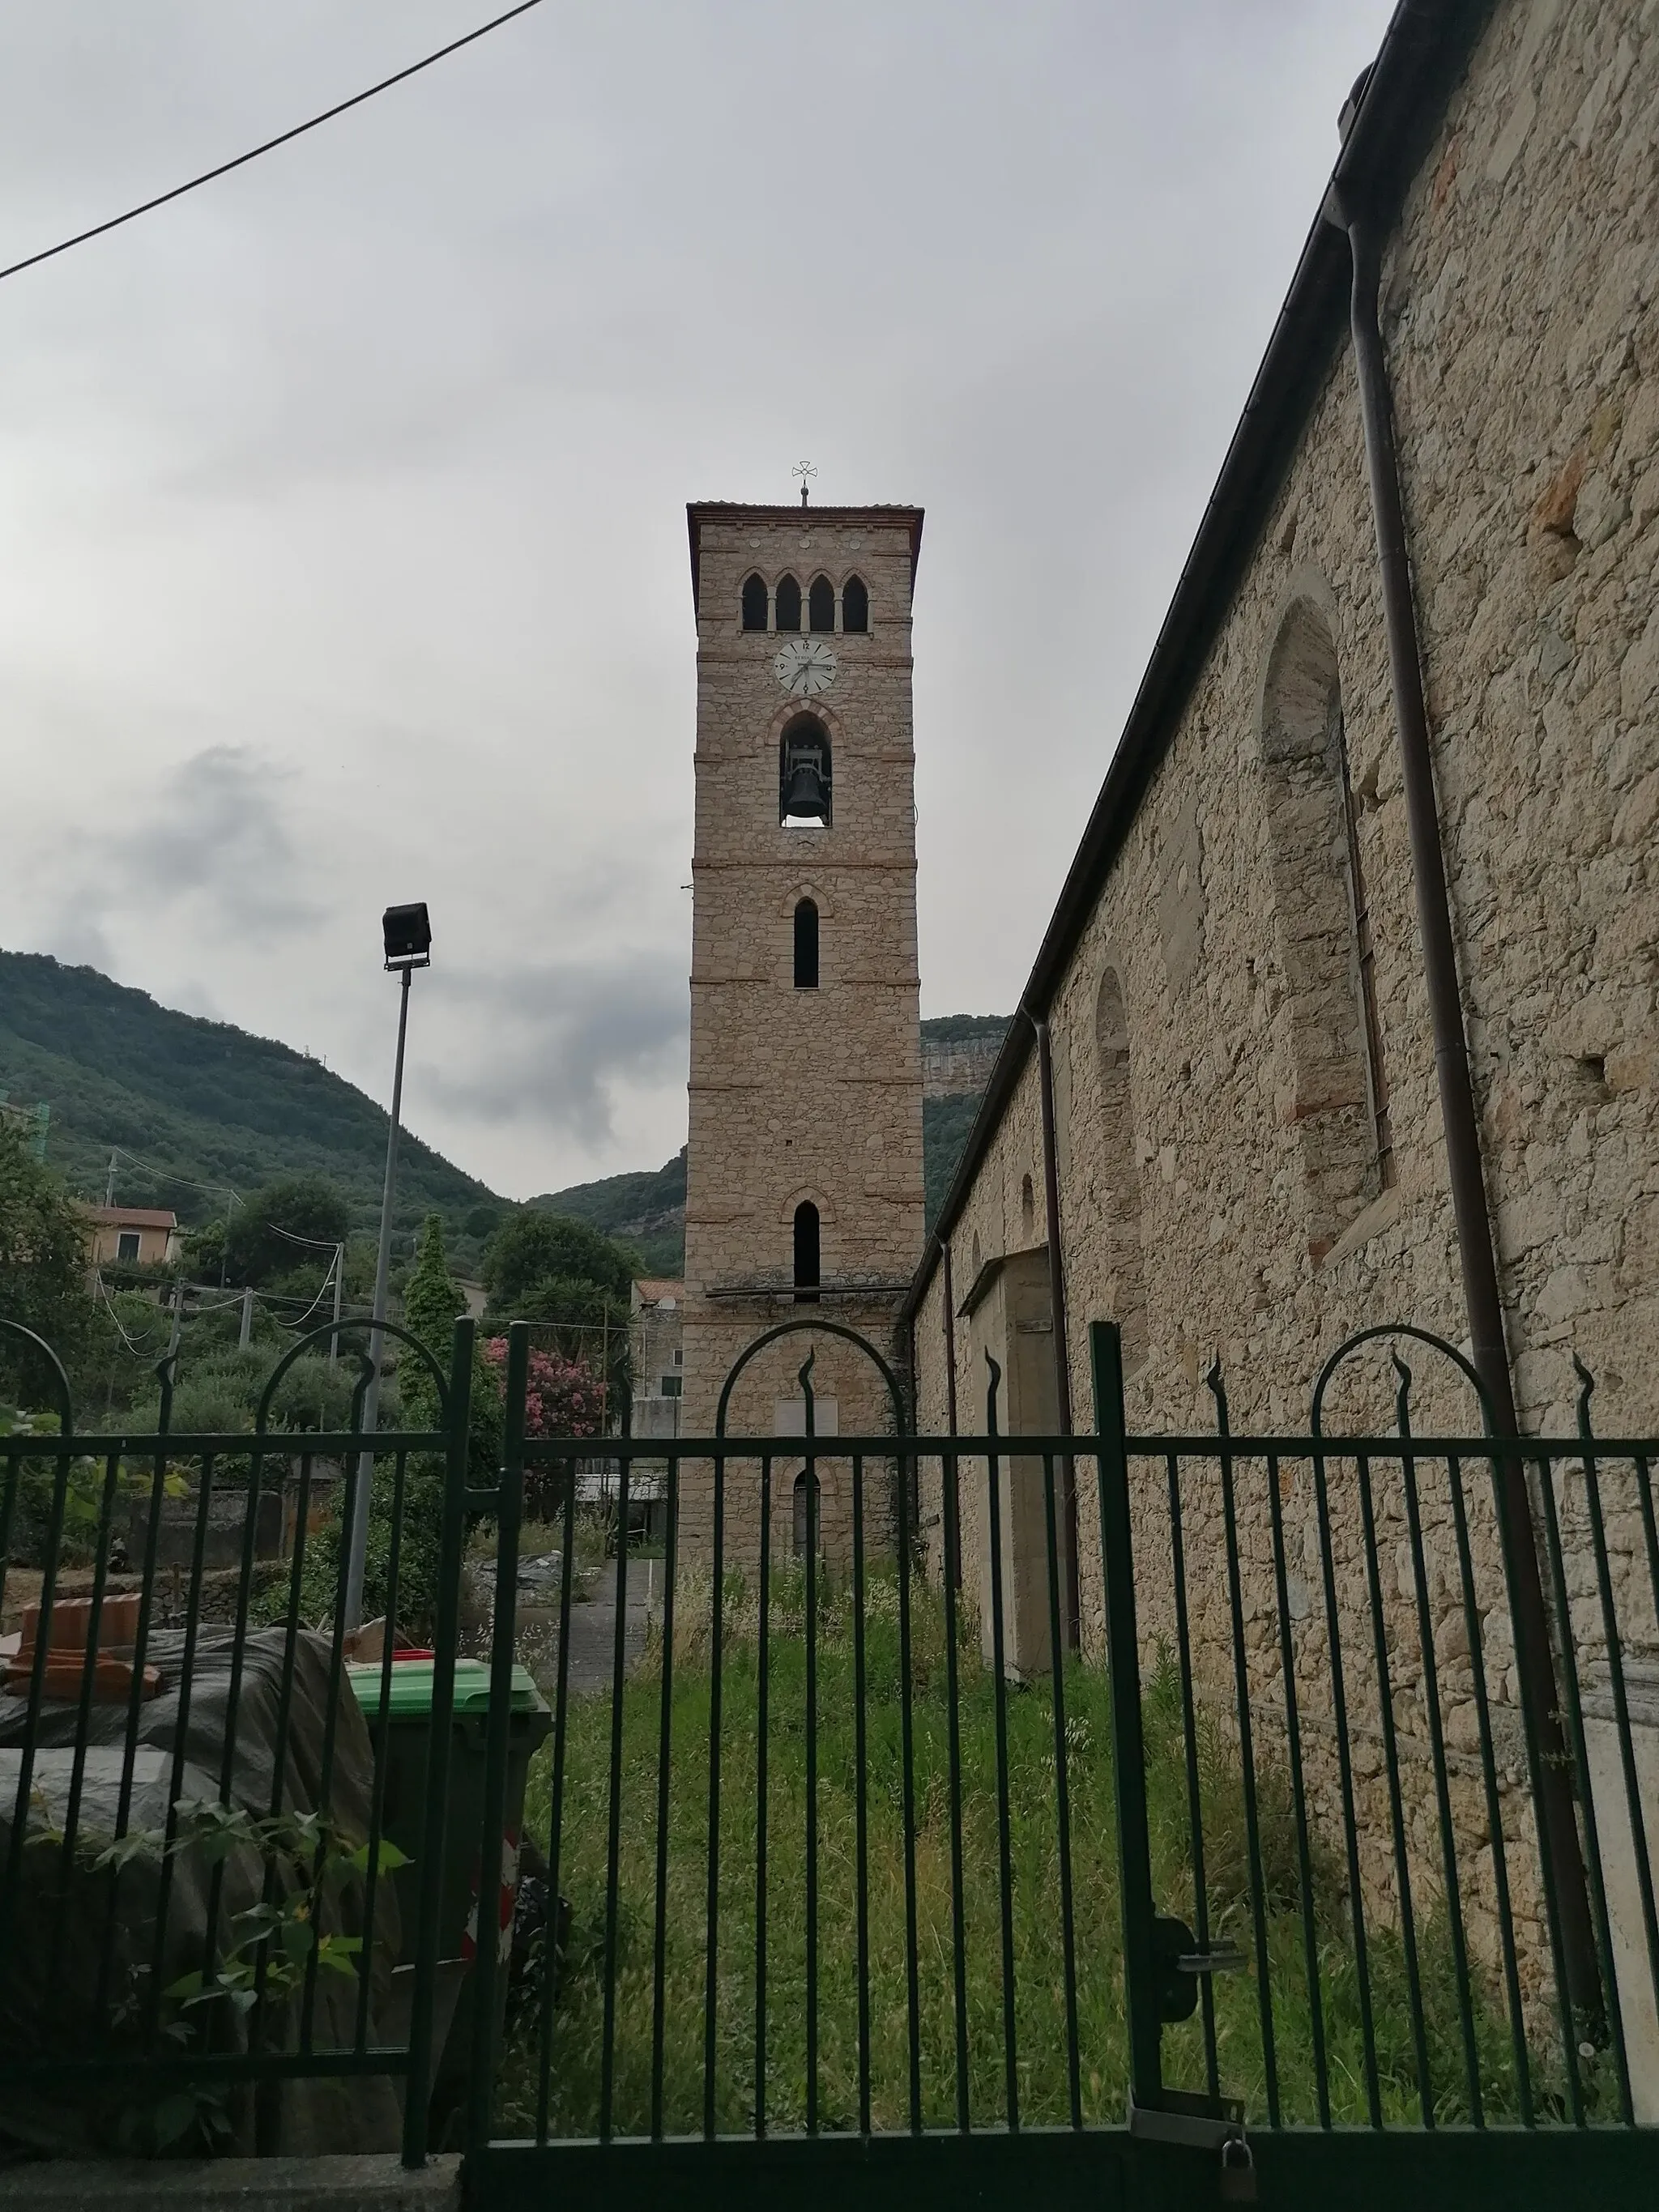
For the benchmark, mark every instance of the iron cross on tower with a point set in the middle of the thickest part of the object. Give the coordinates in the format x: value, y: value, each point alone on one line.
x: 803, y: 470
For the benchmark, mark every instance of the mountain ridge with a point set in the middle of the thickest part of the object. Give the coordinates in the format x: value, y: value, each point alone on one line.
x: 200, y: 1102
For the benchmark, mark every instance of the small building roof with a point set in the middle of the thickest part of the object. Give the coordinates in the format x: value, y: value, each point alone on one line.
x: 130, y: 1216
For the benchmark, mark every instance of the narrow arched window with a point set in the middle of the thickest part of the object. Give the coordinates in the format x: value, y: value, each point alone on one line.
x: 1027, y: 1207
x: 821, y: 605
x: 806, y: 946
x: 754, y: 603
x: 808, y: 1520
x: 854, y: 604
x: 806, y: 1253
x: 788, y: 603
x: 803, y: 783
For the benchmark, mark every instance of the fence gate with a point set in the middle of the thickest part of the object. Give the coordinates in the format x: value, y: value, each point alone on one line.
x: 1120, y: 1818
x: 1313, y: 1872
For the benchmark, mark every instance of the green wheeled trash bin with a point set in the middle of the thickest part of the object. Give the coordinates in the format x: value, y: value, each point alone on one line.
x: 402, y: 1736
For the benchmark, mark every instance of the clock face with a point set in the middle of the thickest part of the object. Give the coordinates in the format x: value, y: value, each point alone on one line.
x: 804, y: 667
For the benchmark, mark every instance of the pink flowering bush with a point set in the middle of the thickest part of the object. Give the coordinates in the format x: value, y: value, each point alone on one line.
x: 562, y: 1397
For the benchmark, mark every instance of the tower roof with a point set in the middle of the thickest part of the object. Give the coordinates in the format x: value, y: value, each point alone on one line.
x: 698, y: 511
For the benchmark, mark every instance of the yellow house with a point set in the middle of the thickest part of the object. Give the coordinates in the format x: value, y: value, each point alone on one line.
x: 130, y: 1235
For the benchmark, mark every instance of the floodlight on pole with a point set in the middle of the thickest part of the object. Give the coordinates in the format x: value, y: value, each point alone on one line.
x: 406, y: 934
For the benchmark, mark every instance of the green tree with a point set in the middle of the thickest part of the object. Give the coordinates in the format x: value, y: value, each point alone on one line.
x: 571, y: 1279
x: 43, y: 1263
x: 534, y: 1248
x: 260, y: 1246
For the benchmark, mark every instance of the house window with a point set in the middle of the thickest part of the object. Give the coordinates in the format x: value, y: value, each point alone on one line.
x: 854, y: 604
x: 126, y: 1246
x: 821, y: 605
x: 788, y: 603
x: 671, y: 1385
x: 754, y: 603
x: 806, y: 946
x: 806, y: 1253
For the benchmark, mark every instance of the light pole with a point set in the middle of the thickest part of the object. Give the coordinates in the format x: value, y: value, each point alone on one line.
x: 408, y: 937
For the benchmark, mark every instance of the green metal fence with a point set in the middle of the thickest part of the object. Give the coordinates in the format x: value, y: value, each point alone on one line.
x: 1324, y: 1861
x: 201, y: 1940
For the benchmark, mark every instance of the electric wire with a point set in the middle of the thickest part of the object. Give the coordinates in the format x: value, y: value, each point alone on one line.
x: 166, y: 1174
x: 312, y: 1244
x: 240, y: 161
x: 115, y: 1319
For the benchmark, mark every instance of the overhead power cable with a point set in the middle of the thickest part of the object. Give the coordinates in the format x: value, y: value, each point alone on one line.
x: 224, y: 168
x: 312, y: 1244
x: 165, y: 1175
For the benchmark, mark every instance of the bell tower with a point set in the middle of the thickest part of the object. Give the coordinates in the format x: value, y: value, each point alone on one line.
x: 804, y: 1175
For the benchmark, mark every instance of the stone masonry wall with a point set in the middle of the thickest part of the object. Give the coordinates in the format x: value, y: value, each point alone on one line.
x: 1523, y: 345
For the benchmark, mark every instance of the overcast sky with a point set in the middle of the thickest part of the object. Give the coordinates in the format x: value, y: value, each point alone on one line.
x: 343, y: 552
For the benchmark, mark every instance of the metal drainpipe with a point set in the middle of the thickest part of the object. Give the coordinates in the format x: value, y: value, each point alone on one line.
x: 953, y: 1565
x: 1057, y: 1309
x: 1489, y: 1351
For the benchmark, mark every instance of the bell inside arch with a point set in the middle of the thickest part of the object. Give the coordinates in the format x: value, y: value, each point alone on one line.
x: 803, y: 772
x: 805, y: 794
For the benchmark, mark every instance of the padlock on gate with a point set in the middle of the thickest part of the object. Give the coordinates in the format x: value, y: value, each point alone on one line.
x: 1237, y: 2172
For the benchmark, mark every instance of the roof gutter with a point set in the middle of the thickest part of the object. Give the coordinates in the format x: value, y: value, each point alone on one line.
x: 1422, y: 56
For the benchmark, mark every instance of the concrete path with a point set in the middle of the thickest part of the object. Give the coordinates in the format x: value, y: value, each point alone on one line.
x: 593, y: 1632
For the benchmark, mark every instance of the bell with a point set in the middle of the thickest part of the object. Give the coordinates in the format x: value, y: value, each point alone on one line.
x: 804, y: 793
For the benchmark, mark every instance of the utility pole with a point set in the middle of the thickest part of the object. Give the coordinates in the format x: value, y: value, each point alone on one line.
x: 109, y: 1183
x: 246, y: 1335
x: 339, y: 1283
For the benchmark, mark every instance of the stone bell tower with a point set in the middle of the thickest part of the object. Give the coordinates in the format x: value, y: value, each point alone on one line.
x: 804, y: 1176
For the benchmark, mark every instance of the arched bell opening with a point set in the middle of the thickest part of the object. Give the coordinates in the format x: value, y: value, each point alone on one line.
x: 788, y: 603
x: 754, y: 603
x: 804, y: 779
x: 821, y: 605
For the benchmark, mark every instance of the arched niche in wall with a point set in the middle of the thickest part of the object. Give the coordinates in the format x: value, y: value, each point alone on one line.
x: 1337, y: 1098
x: 1126, y: 1261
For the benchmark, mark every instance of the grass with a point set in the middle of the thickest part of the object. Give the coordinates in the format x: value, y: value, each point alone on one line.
x: 1041, y: 2074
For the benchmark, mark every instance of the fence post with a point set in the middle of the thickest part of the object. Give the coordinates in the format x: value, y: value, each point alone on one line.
x: 1128, y: 1749
x: 417, y: 2091
x: 509, y: 1502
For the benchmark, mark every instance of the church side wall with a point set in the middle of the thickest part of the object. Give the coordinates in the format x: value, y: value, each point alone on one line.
x: 1225, y: 1058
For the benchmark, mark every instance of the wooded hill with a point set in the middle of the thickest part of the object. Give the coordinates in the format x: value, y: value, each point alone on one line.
x: 202, y: 1100
x: 208, y: 1102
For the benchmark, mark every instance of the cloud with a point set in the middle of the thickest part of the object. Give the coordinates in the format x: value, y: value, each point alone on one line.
x: 343, y: 532
x: 549, y: 1045
x: 214, y: 832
